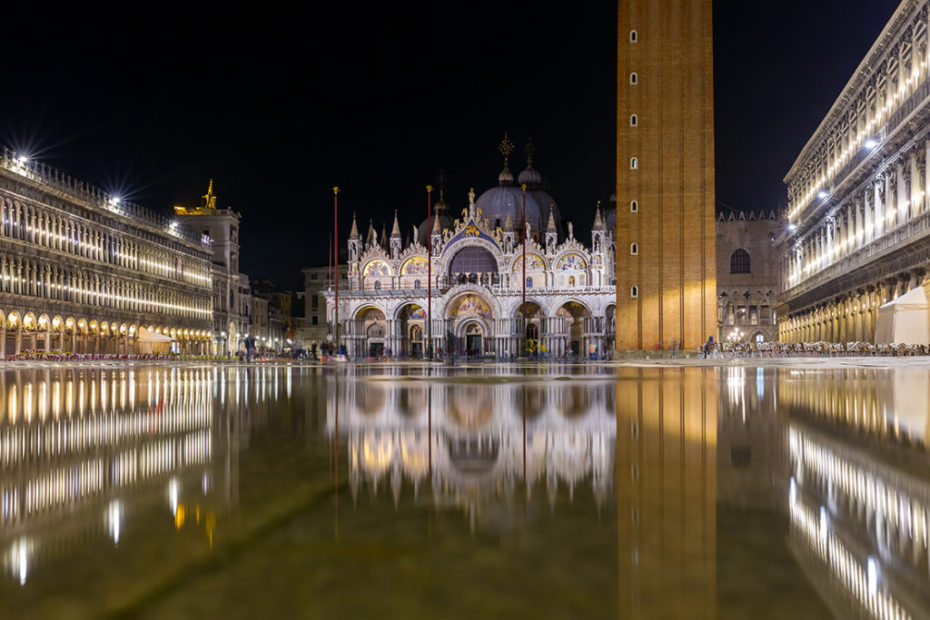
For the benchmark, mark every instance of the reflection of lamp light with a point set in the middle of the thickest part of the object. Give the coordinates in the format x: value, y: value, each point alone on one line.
x: 173, y: 495
x: 112, y: 520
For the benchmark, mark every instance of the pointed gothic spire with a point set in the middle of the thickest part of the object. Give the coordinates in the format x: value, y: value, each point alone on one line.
x: 395, y: 231
x: 353, y: 234
x: 372, y: 238
x: 598, y: 222
x: 384, y: 236
x: 436, y: 229
x: 551, y: 226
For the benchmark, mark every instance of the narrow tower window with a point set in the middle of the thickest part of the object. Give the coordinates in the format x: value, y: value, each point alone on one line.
x: 634, y: 79
x: 634, y: 121
x: 633, y: 36
x: 634, y: 206
x: 634, y: 249
x: 634, y: 291
x: 634, y: 163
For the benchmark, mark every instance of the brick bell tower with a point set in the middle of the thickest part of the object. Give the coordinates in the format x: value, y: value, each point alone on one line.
x: 666, y: 254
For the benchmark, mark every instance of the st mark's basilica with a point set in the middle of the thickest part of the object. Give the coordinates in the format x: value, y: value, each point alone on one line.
x: 477, y: 270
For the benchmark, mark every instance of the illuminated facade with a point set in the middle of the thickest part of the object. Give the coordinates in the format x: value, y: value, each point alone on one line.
x: 231, y: 290
x: 858, y: 215
x: 665, y: 175
x: 747, y: 277
x: 82, y: 271
x: 477, y: 280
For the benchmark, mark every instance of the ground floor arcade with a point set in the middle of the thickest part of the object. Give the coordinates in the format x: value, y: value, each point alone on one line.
x: 847, y: 317
x: 470, y: 321
x: 24, y: 330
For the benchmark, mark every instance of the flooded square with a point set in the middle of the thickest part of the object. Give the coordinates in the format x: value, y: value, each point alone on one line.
x: 491, y: 490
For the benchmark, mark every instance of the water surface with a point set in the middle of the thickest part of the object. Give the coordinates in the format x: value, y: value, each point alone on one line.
x: 555, y: 491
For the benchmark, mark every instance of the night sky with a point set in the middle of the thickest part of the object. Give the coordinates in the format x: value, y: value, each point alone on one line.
x: 151, y: 101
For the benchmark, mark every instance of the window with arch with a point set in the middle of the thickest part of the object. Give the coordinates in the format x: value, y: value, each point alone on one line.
x: 634, y: 206
x: 377, y: 285
x: 634, y: 291
x: 634, y: 249
x: 529, y: 283
x: 634, y: 79
x: 634, y: 120
x: 634, y: 163
x: 571, y: 280
x: 416, y: 284
x: 634, y: 36
x: 740, y: 262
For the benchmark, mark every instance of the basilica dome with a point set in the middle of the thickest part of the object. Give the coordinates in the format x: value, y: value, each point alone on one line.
x: 440, y: 214
x: 610, y: 214
x: 506, y: 199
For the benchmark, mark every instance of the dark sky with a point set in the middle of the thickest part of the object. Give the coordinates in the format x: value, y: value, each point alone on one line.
x: 278, y: 106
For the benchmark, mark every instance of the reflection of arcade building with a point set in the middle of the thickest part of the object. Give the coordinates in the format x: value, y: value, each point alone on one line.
x: 477, y: 280
x: 859, y: 504
x: 477, y: 449
x: 82, y: 451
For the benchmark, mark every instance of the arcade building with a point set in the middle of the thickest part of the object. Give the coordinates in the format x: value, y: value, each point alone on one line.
x: 475, y: 306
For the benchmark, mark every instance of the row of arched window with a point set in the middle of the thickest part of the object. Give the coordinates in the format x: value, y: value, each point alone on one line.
x: 23, y: 276
x: 50, y: 230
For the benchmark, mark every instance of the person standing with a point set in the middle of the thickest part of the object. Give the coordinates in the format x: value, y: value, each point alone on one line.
x: 708, y: 346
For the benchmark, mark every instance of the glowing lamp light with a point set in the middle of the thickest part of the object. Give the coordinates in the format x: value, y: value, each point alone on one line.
x: 115, y: 200
x: 870, y: 144
x: 21, y: 160
x: 792, y: 227
x: 822, y: 194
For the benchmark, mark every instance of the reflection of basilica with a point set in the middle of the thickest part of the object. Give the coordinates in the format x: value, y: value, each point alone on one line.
x: 859, y: 498
x: 478, y: 276
x: 467, y: 441
x: 81, y: 451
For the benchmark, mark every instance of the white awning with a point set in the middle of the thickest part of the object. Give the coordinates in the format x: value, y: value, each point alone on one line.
x: 147, y: 336
x: 905, y: 320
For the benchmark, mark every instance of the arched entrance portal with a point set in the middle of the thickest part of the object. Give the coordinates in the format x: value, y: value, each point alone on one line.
x: 470, y: 315
x: 576, y: 324
x: 369, y: 331
x: 474, y: 339
x: 411, y: 327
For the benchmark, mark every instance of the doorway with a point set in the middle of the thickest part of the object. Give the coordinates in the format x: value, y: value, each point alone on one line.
x: 473, y: 341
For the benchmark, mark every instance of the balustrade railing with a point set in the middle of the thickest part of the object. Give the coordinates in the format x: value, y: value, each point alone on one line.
x: 52, y: 177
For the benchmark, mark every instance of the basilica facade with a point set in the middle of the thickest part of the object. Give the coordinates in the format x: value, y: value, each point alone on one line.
x: 475, y: 264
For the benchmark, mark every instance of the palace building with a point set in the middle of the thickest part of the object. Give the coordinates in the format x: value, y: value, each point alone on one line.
x: 83, y: 271
x: 747, y: 276
x: 477, y: 265
x: 854, y: 253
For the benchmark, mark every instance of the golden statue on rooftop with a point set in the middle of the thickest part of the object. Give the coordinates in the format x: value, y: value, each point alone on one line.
x: 209, y: 199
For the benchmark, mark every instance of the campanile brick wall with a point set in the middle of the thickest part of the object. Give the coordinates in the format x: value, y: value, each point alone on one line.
x: 673, y: 184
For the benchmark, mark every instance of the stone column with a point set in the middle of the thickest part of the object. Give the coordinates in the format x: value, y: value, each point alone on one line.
x: 902, y: 172
x: 913, y: 184
x: 19, y: 339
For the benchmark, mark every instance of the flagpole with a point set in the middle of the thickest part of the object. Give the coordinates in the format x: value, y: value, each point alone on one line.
x: 523, y: 305
x: 336, y: 263
x: 429, y: 272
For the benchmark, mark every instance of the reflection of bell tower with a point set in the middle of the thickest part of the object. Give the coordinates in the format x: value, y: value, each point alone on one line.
x: 666, y: 492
